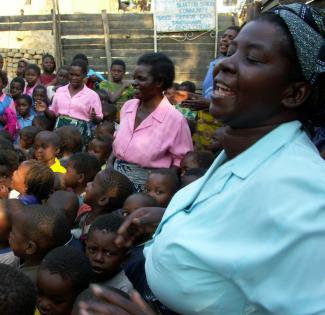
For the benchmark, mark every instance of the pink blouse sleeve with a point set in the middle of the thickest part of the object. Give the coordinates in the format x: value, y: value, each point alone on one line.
x: 97, y: 105
x: 182, y: 143
x: 11, y: 122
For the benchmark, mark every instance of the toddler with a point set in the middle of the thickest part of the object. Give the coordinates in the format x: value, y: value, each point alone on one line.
x: 17, y: 86
x: 104, y: 256
x: 196, y: 159
x: 82, y: 168
x: 25, y: 114
x: 48, y: 65
x: 191, y: 175
x: 71, y: 142
x: 36, y: 229
x: 18, y: 292
x: 33, y: 180
x: 106, y: 193
x: 8, y: 119
x: 136, y: 201
x: 63, y: 274
x: 32, y: 75
x: 27, y: 136
x: 101, y: 147
x: 162, y: 184
x: 47, y: 146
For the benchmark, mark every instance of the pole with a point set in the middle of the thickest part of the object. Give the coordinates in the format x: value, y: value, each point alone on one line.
x: 216, y: 29
x: 107, y: 39
x: 153, y: 4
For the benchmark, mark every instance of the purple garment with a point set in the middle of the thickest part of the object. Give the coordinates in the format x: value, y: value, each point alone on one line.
x: 29, y: 200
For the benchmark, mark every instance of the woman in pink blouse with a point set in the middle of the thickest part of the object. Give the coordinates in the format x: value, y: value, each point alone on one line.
x: 74, y: 104
x: 152, y: 133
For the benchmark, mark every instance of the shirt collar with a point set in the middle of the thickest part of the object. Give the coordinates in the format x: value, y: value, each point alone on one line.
x: 250, y: 159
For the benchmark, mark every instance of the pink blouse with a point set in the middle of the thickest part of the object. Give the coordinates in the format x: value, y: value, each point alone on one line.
x: 79, y: 106
x: 161, y: 140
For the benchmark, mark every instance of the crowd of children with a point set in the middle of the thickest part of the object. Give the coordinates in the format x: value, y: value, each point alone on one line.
x: 62, y: 204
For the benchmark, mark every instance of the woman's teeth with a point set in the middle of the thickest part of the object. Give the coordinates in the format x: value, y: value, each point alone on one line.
x: 223, y: 90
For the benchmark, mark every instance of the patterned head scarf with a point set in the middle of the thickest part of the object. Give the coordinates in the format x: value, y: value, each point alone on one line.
x: 307, y: 29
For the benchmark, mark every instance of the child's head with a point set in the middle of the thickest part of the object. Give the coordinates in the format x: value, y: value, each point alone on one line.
x: 21, y: 68
x: 32, y: 74
x: 187, y: 86
x: 109, y: 111
x: 8, y: 164
x: 103, y: 95
x: 40, y: 94
x: 191, y: 175
x: 27, y: 136
x: 196, y: 159
x: 62, y: 76
x: 118, y: 68
x: 3, y: 80
x: 105, y: 128
x: 108, y: 190
x: 162, y: 184
x: 67, y: 202
x: 37, y: 229
x: 101, y: 147
x: 42, y: 122
x: 71, y: 139
x: 23, y: 105
x: 63, y: 274
x: 105, y: 257
x: 17, y: 86
x: 136, y: 201
x: 82, y: 168
x: 17, y: 292
x: 82, y: 57
x: 33, y: 178
x: 48, y: 63
x: 47, y: 146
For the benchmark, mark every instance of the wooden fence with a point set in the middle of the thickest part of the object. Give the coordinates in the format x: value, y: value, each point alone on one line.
x: 109, y: 36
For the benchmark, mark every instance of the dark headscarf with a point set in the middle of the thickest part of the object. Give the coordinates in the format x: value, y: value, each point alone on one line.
x: 307, y: 29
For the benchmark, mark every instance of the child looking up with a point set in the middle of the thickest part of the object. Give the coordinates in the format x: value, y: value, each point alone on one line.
x: 63, y: 274
x: 104, y: 256
x: 48, y: 65
x: 32, y: 75
x: 196, y: 159
x: 25, y: 115
x: 82, y: 168
x: 71, y: 142
x: 8, y: 120
x: 33, y: 180
x: 106, y: 193
x: 27, y: 136
x: 47, y: 146
x: 36, y: 229
x: 17, y: 86
x: 136, y: 201
x: 101, y: 147
x: 18, y: 292
x: 162, y: 184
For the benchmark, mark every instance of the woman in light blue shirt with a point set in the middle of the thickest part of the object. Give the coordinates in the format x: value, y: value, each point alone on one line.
x: 249, y: 236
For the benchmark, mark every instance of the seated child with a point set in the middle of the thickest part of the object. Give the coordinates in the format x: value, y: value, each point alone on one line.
x: 196, y: 159
x: 32, y: 75
x: 6, y: 255
x: 18, y: 292
x: 101, y: 147
x: 27, y: 136
x: 63, y: 274
x: 136, y: 201
x: 47, y: 146
x: 191, y: 175
x: 8, y: 164
x: 34, y: 182
x: 105, y: 257
x: 105, y: 194
x: 17, y: 86
x: 71, y: 142
x: 105, y: 128
x: 8, y: 119
x: 82, y: 168
x: 36, y: 230
x: 43, y: 123
x: 25, y: 114
x: 162, y: 184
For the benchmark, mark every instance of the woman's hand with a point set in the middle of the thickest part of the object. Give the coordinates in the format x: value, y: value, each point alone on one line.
x: 142, y: 221
x: 41, y: 106
x: 112, y: 303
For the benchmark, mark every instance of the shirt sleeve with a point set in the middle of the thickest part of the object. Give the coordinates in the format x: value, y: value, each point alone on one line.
x: 97, y: 106
x: 182, y: 143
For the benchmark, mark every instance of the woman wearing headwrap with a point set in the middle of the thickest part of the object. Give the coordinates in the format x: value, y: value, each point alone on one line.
x: 248, y: 237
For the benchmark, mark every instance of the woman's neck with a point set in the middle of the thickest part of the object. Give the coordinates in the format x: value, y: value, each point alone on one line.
x: 151, y: 104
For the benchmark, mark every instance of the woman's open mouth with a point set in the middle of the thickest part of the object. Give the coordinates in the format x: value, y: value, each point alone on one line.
x: 223, y: 90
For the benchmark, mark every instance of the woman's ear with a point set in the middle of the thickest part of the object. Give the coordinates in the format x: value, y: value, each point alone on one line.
x: 296, y: 94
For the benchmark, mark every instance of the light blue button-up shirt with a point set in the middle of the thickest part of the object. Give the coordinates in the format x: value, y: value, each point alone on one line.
x: 249, y: 236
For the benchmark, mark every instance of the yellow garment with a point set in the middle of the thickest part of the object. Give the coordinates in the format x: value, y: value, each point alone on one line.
x: 57, y: 167
x: 37, y: 312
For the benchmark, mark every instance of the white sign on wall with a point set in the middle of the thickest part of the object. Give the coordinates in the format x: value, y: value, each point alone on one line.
x: 185, y: 15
